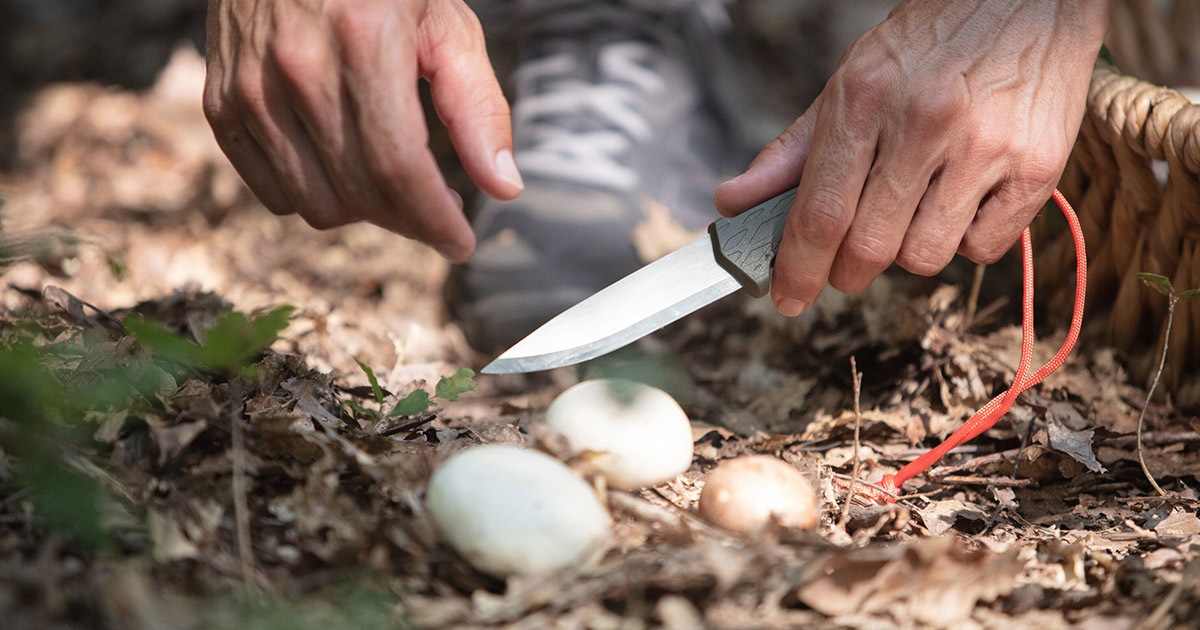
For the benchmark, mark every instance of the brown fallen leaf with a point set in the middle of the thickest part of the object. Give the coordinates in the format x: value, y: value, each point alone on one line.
x: 1179, y: 523
x: 941, y: 516
x: 1076, y: 444
x: 937, y: 581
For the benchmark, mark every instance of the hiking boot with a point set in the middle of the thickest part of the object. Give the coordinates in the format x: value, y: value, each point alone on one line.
x: 623, y: 124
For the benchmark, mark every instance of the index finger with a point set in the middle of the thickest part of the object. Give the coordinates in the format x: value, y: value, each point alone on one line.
x: 381, y: 79
x: 835, y: 173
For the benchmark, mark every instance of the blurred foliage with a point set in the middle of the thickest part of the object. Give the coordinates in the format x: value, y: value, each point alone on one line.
x: 34, y: 407
x: 359, y: 604
x: 56, y: 383
x: 228, y: 347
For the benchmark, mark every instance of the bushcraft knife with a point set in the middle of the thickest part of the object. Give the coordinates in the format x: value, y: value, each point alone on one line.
x: 737, y: 253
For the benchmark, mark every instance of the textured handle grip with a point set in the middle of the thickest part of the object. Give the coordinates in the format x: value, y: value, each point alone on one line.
x: 745, y: 245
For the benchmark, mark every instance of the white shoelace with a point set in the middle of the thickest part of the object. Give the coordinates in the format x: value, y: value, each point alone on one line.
x: 554, y: 148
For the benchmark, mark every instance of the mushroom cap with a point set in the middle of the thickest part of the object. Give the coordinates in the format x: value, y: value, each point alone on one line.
x: 640, y: 435
x: 743, y: 494
x: 513, y: 511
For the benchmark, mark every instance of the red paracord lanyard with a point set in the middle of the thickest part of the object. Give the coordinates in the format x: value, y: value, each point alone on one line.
x: 987, y: 415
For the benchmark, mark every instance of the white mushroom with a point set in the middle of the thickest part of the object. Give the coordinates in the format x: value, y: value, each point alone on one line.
x: 512, y: 511
x: 639, y: 434
x: 744, y: 494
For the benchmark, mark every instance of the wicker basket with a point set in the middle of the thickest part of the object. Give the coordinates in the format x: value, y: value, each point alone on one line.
x: 1134, y: 177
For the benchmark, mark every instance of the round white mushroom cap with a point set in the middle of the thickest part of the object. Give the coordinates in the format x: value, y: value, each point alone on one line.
x: 512, y: 511
x: 640, y: 435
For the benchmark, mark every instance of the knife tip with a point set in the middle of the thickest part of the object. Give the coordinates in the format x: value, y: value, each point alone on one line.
x: 492, y: 368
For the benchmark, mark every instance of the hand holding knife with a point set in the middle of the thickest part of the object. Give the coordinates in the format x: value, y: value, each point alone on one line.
x: 737, y: 253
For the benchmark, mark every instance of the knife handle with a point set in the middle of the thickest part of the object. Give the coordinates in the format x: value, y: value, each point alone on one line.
x: 745, y: 245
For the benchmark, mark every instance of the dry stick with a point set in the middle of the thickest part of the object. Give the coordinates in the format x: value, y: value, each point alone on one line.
x: 1154, y: 385
x: 241, y: 509
x: 977, y: 480
x: 856, y: 381
x: 973, y: 296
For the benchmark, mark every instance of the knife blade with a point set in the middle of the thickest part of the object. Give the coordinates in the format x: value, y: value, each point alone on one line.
x: 737, y: 253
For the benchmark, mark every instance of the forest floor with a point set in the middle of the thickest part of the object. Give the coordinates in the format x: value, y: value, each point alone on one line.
x: 137, y: 492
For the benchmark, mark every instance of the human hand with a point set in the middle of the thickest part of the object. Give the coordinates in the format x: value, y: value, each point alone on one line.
x: 944, y: 129
x: 315, y: 102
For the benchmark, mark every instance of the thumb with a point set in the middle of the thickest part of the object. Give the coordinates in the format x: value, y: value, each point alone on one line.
x: 775, y: 169
x: 468, y: 97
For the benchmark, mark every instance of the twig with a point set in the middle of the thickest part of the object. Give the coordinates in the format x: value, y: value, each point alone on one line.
x: 976, y: 480
x: 1154, y: 385
x: 974, y: 462
x: 856, y: 380
x: 397, y: 425
x: 1155, y: 437
x: 973, y: 296
x: 241, y: 509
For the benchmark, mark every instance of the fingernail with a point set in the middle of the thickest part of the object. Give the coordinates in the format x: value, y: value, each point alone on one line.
x: 731, y: 180
x: 790, y: 307
x: 455, y: 198
x: 506, y: 168
x: 454, y: 252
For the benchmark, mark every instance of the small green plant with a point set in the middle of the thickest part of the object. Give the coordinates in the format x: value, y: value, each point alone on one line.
x: 52, y: 386
x: 228, y: 347
x: 39, y: 414
x: 417, y: 401
x: 1163, y: 285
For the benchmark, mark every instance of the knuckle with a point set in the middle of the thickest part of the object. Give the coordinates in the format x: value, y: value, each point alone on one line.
x: 869, y: 252
x: 487, y: 111
x: 217, y: 111
x: 934, y: 108
x: 789, y: 142
x: 984, y: 249
x: 987, y: 141
x: 459, y: 24
x: 822, y: 218
x: 861, y: 83
x: 299, y: 58
x: 923, y: 262
x: 354, y: 21
x: 1042, y: 170
x: 249, y: 95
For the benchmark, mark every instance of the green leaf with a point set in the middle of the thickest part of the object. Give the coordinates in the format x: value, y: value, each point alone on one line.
x: 416, y: 402
x: 1158, y: 282
x: 154, y: 337
x: 450, y: 387
x: 228, y: 346
x: 1190, y: 294
x: 234, y: 340
x: 361, y: 410
x: 375, y: 388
